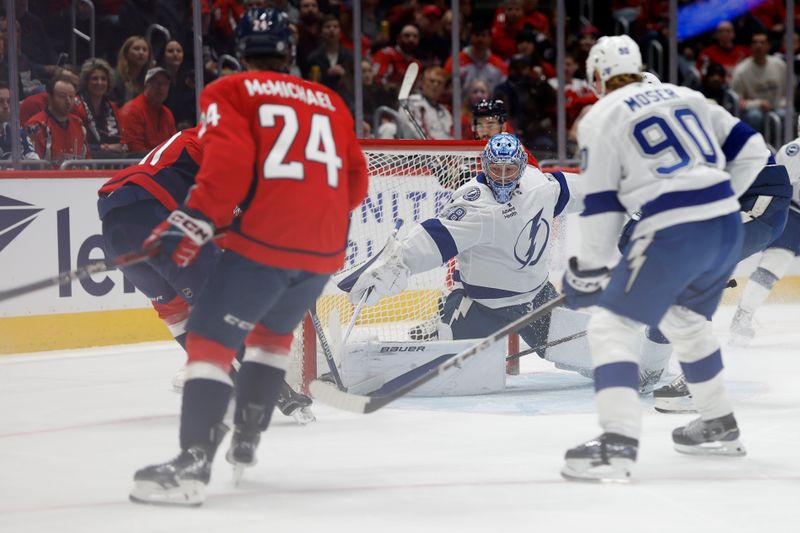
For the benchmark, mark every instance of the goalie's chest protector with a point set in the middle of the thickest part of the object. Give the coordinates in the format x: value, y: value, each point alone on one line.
x: 510, y: 263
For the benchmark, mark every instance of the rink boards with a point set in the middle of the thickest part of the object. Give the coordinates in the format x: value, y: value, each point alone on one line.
x: 49, y: 224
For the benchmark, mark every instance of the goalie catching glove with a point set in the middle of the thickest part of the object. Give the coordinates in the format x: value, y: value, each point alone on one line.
x: 381, y: 280
x: 181, y: 236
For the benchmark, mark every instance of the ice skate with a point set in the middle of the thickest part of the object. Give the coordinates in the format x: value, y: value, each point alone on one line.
x: 245, y: 439
x: 648, y: 379
x: 719, y: 436
x: 609, y: 459
x: 181, y: 481
x: 742, y: 330
x: 295, y: 404
x: 674, y: 398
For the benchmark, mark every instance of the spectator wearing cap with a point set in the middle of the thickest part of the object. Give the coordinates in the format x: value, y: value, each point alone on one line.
x: 100, y: 116
x: 390, y: 63
x: 132, y: 63
x: 434, y: 46
x: 58, y: 134
x: 478, y: 61
x: 507, y: 24
x: 586, y: 40
x: 147, y: 121
x: 715, y: 85
x: 724, y: 51
x: 433, y: 117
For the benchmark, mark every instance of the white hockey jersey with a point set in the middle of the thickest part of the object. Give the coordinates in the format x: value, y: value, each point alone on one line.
x: 789, y: 156
x: 502, y: 249
x: 666, y: 152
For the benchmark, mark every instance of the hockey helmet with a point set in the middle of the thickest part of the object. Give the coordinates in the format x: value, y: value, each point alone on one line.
x: 612, y: 56
x: 650, y: 79
x: 487, y: 109
x: 503, y: 160
x: 264, y: 32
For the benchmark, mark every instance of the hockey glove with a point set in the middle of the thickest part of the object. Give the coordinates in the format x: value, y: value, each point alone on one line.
x: 182, y: 235
x: 583, y: 288
x: 384, y: 280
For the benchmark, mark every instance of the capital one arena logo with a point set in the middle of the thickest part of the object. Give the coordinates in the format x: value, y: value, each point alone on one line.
x: 532, y: 241
x: 15, y: 216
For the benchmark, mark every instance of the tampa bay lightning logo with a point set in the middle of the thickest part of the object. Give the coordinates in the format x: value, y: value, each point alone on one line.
x: 532, y: 241
x: 792, y: 150
x: 472, y: 194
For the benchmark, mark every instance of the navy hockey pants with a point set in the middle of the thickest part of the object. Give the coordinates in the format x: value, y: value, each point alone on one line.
x: 125, y: 229
x: 480, y: 321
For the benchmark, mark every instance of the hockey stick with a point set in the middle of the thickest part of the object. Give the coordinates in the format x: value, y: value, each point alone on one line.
x: 546, y: 345
x: 95, y: 267
x: 326, y: 349
x: 365, y: 404
x: 402, y: 97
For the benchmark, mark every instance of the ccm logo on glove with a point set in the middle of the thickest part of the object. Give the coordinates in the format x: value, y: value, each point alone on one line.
x: 199, y: 231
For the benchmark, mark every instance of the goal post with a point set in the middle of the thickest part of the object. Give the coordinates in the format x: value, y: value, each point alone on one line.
x: 409, y: 180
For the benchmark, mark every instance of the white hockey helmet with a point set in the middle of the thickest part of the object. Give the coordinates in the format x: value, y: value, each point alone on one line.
x: 612, y: 56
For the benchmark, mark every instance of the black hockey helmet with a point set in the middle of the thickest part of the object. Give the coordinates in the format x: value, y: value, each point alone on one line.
x: 489, y: 108
x: 264, y: 32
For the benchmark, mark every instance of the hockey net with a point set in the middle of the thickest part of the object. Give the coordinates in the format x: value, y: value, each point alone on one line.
x: 408, y: 180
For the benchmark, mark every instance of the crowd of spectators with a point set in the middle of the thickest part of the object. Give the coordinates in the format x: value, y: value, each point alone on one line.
x: 139, y: 88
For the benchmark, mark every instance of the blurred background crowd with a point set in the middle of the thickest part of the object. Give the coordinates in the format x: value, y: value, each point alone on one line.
x: 138, y: 89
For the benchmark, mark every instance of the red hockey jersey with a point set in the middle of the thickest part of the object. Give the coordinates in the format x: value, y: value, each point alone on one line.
x: 167, y: 172
x: 284, y: 150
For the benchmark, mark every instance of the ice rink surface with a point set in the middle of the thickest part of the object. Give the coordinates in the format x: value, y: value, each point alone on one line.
x: 75, y: 425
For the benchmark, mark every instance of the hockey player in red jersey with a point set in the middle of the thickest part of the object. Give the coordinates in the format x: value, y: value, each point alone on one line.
x: 139, y: 198
x: 284, y: 150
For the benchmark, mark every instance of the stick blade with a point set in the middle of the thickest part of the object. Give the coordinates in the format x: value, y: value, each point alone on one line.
x: 332, y: 396
x: 408, y: 81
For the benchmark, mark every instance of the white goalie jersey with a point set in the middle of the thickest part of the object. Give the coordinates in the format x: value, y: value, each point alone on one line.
x: 502, y: 250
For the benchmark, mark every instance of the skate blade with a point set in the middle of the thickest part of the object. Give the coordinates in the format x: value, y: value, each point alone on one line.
x: 732, y: 448
x: 619, y: 471
x: 187, y: 494
x: 303, y: 416
x: 678, y: 405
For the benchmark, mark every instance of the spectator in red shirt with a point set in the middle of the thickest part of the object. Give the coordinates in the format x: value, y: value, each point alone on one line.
x: 535, y: 18
x: 507, y: 24
x: 57, y: 134
x: 434, y: 46
x: 38, y: 102
x: 724, y: 51
x: 147, y: 121
x: 390, y: 63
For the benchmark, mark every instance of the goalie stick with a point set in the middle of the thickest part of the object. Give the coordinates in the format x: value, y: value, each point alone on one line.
x: 546, y: 345
x: 368, y: 404
x: 326, y: 349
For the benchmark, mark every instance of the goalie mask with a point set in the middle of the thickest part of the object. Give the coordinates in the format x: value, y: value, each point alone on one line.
x: 503, y: 161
